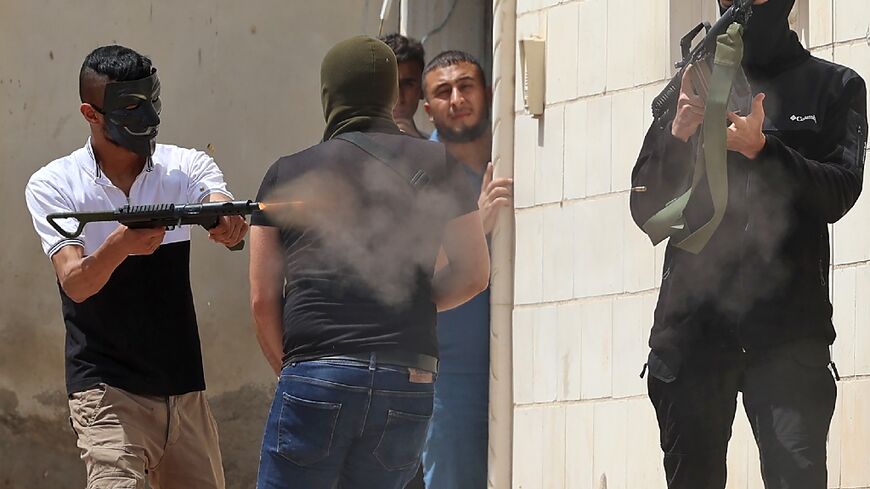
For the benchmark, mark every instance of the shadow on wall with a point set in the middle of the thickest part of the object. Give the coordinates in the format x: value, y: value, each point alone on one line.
x: 44, y: 448
x: 40, y: 452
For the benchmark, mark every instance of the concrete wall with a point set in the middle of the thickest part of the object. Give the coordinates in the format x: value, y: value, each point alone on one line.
x: 468, y: 28
x: 242, y: 77
x: 587, y: 278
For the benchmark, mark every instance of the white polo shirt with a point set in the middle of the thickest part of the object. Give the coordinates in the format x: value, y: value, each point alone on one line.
x: 75, y: 184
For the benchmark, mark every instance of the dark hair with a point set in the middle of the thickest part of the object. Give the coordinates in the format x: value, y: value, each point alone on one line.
x: 405, y: 48
x: 450, y: 58
x: 117, y: 63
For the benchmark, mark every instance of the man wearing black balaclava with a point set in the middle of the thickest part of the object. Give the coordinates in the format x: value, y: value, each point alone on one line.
x: 134, y: 371
x: 751, y: 312
x: 344, y: 290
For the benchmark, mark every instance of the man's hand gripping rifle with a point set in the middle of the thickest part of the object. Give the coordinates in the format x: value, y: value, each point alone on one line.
x: 701, y: 60
x: 159, y: 215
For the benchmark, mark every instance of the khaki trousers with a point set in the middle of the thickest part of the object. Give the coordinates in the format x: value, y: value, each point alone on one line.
x: 125, y: 439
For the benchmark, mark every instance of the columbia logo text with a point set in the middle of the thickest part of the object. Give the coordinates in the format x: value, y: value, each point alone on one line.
x: 802, y: 118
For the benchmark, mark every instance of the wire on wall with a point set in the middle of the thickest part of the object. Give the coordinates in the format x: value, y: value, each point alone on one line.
x: 385, y: 8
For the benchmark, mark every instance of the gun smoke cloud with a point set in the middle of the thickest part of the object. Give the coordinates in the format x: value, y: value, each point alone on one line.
x: 365, y: 228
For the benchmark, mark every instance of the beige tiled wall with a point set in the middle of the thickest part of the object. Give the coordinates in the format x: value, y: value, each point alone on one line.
x: 587, y: 278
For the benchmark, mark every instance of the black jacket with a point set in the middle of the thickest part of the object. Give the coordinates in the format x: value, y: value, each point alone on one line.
x: 762, y: 280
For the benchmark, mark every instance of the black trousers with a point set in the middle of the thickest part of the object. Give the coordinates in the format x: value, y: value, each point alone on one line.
x: 788, y: 395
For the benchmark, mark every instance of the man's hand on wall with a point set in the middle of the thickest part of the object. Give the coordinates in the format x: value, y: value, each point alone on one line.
x: 690, y: 109
x: 494, y: 194
x: 745, y: 134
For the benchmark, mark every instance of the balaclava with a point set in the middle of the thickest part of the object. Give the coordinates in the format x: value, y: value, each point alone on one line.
x: 770, y: 46
x: 359, y: 85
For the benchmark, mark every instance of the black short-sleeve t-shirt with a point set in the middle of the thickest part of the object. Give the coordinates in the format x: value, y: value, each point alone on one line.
x: 359, y: 244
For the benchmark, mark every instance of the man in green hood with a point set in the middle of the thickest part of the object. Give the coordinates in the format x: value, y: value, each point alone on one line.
x: 343, y: 292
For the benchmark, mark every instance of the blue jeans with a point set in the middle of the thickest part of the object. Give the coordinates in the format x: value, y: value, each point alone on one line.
x: 341, y: 423
x: 456, y: 449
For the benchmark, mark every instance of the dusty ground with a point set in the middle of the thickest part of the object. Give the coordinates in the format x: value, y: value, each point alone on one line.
x: 40, y: 452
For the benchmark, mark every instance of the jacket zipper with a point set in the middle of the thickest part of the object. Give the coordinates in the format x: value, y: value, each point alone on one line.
x: 742, y: 259
x: 821, y: 260
x: 862, y: 145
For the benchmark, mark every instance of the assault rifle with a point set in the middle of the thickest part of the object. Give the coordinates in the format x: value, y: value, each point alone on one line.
x: 701, y: 58
x: 159, y: 215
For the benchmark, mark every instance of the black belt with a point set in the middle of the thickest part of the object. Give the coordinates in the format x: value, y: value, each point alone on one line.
x: 394, y: 358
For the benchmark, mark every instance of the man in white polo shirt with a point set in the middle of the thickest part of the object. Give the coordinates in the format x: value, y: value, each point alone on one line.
x: 133, y: 361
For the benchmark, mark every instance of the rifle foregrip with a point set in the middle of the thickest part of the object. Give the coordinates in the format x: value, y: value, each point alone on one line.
x: 666, y: 100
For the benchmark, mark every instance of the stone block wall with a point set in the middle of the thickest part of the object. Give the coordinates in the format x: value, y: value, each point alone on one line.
x: 587, y: 278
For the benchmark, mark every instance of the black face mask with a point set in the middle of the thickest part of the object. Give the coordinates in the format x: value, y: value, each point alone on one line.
x: 769, y: 43
x: 132, y: 113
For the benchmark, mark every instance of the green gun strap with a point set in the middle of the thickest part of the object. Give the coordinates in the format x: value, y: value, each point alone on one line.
x: 670, y: 220
x: 729, y: 55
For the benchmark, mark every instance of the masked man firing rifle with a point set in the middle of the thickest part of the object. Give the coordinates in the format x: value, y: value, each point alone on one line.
x: 749, y: 310
x: 133, y: 362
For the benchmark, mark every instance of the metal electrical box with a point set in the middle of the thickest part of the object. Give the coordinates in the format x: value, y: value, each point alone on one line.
x: 532, y: 51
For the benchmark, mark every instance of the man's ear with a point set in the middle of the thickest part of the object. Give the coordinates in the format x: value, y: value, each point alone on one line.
x: 90, y: 114
x: 489, y: 96
x: 428, y: 110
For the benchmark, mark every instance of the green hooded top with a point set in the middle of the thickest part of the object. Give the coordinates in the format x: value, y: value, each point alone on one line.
x: 359, y: 85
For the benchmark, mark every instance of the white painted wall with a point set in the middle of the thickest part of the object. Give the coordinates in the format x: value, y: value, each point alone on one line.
x: 587, y: 278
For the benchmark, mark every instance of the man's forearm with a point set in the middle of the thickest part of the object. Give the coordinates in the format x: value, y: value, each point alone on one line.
x: 467, y: 271
x: 829, y: 188
x: 451, y: 289
x: 269, y: 331
x: 83, y: 276
x: 216, y: 197
x: 267, y: 293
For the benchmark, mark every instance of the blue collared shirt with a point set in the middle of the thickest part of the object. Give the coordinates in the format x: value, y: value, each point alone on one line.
x: 463, y: 332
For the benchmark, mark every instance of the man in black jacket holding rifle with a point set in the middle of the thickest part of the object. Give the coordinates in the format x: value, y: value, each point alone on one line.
x: 750, y: 311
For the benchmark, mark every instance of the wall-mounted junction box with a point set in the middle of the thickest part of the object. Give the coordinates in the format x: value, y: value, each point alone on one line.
x: 532, y: 51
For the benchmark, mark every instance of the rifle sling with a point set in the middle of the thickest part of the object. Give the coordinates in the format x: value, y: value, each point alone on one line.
x: 418, y: 179
x: 670, y: 221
